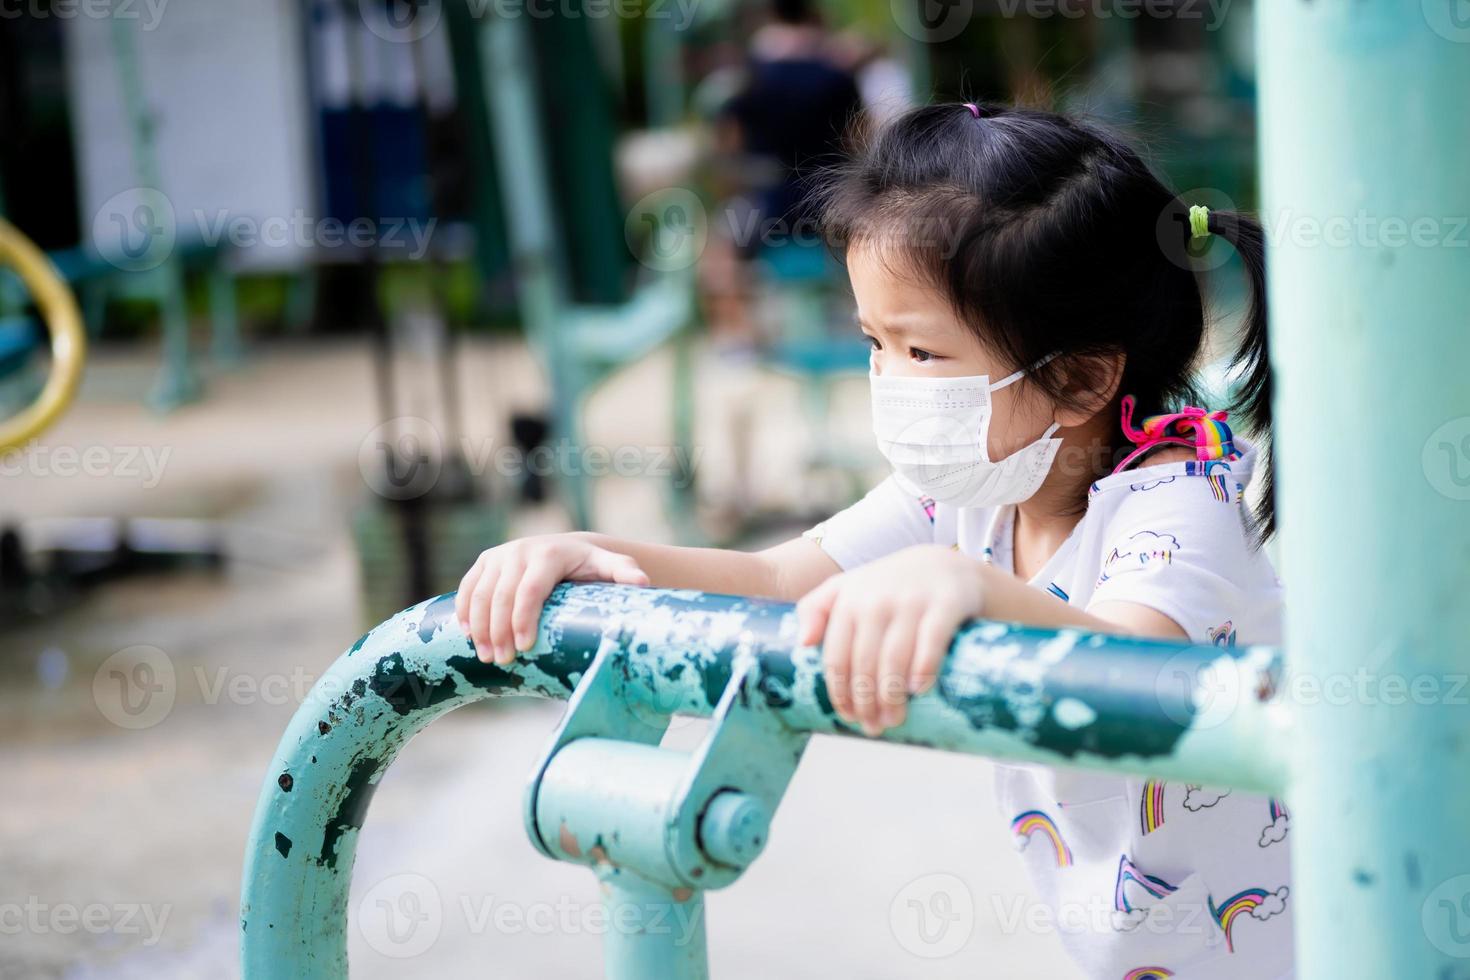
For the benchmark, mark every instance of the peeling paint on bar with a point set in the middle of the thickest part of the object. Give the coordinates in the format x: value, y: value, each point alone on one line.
x: 1009, y: 692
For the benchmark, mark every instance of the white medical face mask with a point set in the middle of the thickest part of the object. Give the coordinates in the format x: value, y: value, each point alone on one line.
x: 935, y: 433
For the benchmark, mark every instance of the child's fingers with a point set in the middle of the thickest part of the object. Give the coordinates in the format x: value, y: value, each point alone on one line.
x: 602, y: 565
x: 625, y: 571
x: 837, y: 662
x: 530, y: 596
x: 502, y: 600
x: 893, y: 666
x: 480, y: 611
x: 935, y: 632
x: 867, y: 642
x: 466, y: 587
x: 814, y: 611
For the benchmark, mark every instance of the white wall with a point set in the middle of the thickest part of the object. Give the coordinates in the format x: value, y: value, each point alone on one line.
x: 228, y: 87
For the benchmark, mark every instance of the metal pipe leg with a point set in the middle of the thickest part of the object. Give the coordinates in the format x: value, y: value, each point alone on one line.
x: 651, y: 931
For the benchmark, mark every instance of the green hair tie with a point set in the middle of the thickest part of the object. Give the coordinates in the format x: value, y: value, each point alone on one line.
x: 1199, y: 221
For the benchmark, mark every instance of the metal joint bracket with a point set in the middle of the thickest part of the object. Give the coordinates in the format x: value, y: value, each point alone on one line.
x: 608, y: 795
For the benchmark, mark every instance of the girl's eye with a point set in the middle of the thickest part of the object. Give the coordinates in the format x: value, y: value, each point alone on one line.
x: 872, y: 342
x: 922, y: 356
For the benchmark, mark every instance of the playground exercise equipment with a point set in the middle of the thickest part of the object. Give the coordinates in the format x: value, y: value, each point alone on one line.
x: 580, y: 344
x: 429, y: 518
x: 99, y: 273
x: 86, y: 550
x: 58, y: 310
x: 660, y: 826
x: 178, y: 382
x: 1361, y: 729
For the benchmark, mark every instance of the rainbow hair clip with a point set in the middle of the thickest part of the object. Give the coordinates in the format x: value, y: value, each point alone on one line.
x: 1205, y: 432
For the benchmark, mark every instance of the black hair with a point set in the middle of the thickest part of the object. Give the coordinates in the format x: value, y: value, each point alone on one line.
x: 794, y: 11
x: 1050, y: 235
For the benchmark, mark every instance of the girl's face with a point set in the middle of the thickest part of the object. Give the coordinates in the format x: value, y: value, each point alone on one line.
x: 915, y: 333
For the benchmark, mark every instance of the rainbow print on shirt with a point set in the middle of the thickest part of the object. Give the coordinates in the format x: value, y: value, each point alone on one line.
x: 1280, y: 823
x: 1256, y: 902
x: 1151, y: 806
x: 1218, y: 482
x: 1144, y: 547
x: 1034, y: 821
x: 1148, y: 973
x: 1224, y: 634
x: 1205, y: 467
x: 1129, y: 874
x: 928, y: 504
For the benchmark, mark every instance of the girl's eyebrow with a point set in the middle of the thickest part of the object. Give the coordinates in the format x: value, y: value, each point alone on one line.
x: 893, y: 328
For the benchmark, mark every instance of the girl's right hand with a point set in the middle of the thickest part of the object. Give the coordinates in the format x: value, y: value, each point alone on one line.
x: 500, y: 597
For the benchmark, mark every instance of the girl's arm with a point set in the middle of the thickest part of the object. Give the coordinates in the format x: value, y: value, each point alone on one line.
x: 787, y: 571
x: 1008, y: 598
x: 500, y: 598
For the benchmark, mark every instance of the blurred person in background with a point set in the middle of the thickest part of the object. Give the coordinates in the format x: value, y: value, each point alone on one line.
x: 790, y: 117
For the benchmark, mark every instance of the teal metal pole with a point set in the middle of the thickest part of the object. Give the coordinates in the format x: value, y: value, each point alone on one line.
x: 651, y: 932
x: 542, y: 287
x: 1113, y: 703
x: 1365, y: 141
x: 177, y: 382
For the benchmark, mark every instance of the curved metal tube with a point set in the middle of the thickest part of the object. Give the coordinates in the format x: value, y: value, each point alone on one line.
x: 1200, y: 714
x: 68, y: 340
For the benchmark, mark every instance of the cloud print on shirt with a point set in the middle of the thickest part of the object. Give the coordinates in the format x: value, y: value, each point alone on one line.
x: 1140, y: 550
x: 1197, y: 798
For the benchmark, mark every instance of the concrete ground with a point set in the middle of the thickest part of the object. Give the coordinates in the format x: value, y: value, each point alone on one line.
x: 124, y: 823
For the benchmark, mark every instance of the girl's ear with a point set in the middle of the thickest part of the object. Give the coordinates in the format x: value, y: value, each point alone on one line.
x: 1089, y: 385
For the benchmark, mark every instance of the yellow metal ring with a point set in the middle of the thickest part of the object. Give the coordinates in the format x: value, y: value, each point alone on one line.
x: 68, y: 340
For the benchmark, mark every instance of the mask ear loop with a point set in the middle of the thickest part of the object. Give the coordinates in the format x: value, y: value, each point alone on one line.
x: 1012, y: 378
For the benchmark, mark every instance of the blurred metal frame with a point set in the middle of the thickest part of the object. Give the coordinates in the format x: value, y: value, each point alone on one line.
x: 579, y: 344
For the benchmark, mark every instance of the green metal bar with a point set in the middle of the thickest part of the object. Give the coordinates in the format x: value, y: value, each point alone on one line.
x: 225, y: 348
x: 1201, y: 714
x: 177, y: 382
x: 663, y: 69
x: 1366, y: 152
x: 540, y: 266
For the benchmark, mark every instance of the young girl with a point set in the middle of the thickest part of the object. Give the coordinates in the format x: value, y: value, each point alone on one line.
x: 1035, y: 320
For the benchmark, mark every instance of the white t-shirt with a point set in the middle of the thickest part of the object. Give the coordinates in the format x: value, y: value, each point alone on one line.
x: 1141, y: 875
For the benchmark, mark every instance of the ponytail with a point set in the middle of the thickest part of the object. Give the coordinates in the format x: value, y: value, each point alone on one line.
x: 1252, y: 360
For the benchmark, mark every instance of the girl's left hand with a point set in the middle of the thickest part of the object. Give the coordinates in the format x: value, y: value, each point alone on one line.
x: 887, y: 626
